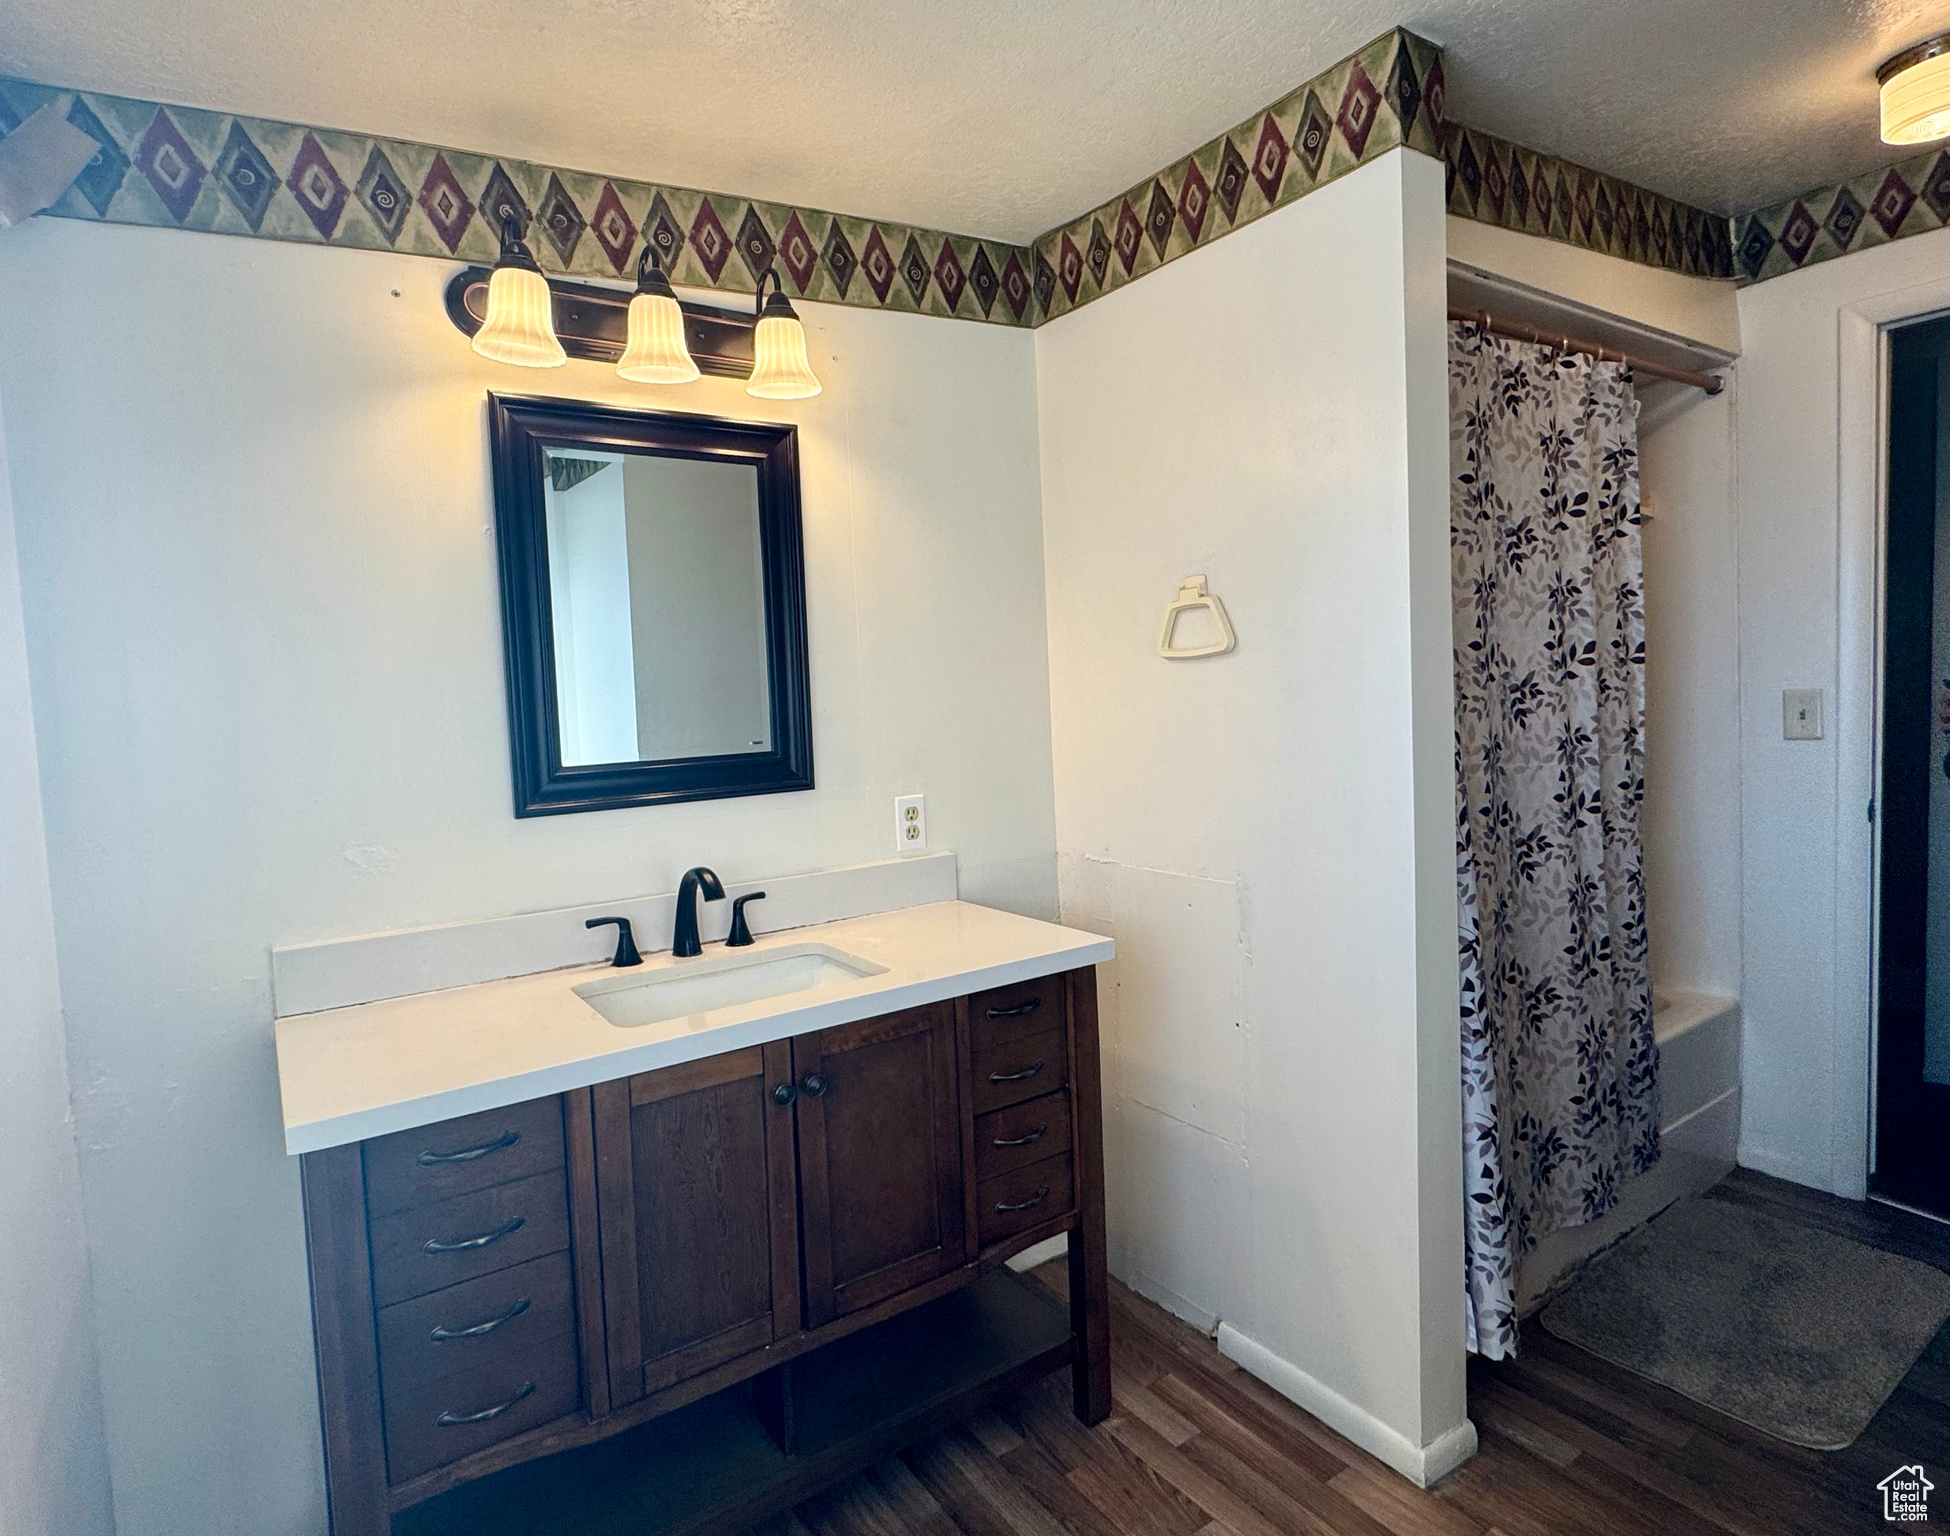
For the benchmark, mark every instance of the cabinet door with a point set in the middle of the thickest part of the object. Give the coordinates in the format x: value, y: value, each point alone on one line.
x: 695, y: 1185
x: 880, y: 1158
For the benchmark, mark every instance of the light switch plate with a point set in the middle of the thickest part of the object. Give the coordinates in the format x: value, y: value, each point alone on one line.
x: 911, y: 824
x: 1801, y: 714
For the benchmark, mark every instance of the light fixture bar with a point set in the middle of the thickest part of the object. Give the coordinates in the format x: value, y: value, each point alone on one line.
x: 592, y: 323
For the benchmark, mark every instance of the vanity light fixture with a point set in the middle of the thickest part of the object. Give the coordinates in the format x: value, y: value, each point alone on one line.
x: 780, y: 369
x: 514, y: 314
x: 1916, y: 93
x: 655, y: 352
x: 520, y: 323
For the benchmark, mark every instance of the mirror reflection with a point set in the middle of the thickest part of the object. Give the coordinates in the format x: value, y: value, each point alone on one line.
x: 657, y: 598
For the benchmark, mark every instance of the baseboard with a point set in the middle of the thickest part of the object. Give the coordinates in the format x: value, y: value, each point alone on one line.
x: 1781, y: 1165
x: 1181, y: 1307
x: 1422, y: 1465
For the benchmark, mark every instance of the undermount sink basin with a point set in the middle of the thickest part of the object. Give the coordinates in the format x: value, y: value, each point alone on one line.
x: 722, y: 981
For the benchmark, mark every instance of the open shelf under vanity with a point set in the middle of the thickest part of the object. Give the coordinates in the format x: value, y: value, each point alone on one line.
x: 718, y: 1465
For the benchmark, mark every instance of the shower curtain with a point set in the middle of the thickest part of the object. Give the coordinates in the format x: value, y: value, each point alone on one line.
x: 1560, y: 1098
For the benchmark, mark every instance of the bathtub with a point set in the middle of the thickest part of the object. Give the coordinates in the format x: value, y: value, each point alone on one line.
x: 1699, y: 1128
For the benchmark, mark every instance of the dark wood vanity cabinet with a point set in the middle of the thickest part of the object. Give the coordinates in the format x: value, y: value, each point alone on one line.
x: 699, y: 1214
x: 879, y: 1224
x: 780, y: 1232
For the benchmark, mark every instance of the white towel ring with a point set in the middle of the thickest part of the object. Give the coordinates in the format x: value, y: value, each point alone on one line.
x: 1192, y: 594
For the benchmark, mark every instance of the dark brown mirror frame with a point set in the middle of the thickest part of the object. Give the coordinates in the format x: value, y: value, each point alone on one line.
x: 521, y: 429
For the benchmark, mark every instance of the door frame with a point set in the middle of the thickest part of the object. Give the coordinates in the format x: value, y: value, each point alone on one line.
x: 1862, y: 488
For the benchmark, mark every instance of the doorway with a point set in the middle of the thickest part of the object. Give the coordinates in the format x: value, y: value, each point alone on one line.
x: 1912, y: 1147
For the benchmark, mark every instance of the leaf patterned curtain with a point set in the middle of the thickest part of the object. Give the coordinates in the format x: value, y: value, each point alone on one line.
x: 1560, y: 1095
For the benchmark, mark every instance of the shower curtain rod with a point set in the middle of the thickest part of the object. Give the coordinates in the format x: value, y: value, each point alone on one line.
x: 1496, y: 325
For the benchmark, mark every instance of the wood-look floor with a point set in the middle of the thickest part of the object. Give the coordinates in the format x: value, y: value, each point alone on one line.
x: 1571, y: 1446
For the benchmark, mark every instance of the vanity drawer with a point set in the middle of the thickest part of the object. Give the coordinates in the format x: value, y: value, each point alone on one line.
x: 430, y: 1423
x: 442, y: 1244
x: 478, y: 1321
x: 1022, y: 1134
x: 1009, y: 1013
x: 1023, y: 1198
x: 1020, y: 1069
x: 436, y: 1162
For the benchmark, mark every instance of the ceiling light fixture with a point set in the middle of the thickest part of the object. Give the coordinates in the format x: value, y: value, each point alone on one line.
x: 780, y: 369
x: 520, y: 323
x: 1916, y: 93
x: 655, y: 352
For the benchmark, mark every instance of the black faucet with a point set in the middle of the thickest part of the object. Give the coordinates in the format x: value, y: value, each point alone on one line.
x: 683, y: 939
x: 741, y: 933
x: 625, y: 945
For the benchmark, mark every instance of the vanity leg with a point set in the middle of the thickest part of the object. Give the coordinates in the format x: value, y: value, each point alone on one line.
x: 348, y: 1349
x: 1089, y: 1278
x: 776, y: 1404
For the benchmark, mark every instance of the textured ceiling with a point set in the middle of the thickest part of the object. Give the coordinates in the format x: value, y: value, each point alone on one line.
x: 1000, y: 118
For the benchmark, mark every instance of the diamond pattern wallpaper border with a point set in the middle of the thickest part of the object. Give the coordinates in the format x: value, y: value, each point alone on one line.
x: 1496, y: 182
x: 190, y: 168
x: 186, y: 168
x: 1387, y: 95
x: 1911, y: 197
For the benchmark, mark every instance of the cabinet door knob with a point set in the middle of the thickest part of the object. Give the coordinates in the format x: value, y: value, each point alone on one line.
x: 812, y: 1085
x: 784, y: 1094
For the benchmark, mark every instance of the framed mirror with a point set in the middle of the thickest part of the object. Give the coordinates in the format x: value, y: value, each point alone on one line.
x: 653, y: 600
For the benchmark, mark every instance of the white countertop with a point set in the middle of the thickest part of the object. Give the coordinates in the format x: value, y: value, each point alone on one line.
x: 346, y: 1074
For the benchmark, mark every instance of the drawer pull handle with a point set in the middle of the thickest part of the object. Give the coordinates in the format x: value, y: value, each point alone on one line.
x: 1021, y: 1010
x: 1015, y: 1077
x: 443, y: 1334
x: 452, y: 1420
x: 1021, y: 1141
x: 1008, y: 1207
x: 461, y: 1244
x: 501, y: 1143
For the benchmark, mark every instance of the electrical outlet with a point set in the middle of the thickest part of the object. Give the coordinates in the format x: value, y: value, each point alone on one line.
x: 1801, y: 714
x: 911, y: 824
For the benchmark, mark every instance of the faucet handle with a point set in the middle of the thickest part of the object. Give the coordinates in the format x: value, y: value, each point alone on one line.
x: 625, y: 944
x: 741, y: 934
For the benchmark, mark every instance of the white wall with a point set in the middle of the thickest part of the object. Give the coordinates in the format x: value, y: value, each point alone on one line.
x: 1691, y: 821
x: 53, y: 1466
x: 589, y: 614
x: 1270, y: 835
x: 697, y: 597
x: 1698, y: 308
x: 257, y: 549
x: 1803, y: 573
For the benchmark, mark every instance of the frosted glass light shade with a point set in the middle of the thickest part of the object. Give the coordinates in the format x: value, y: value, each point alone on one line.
x: 520, y: 324
x: 655, y: 352
x: 780, y: 369
x: 1916, y: 94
